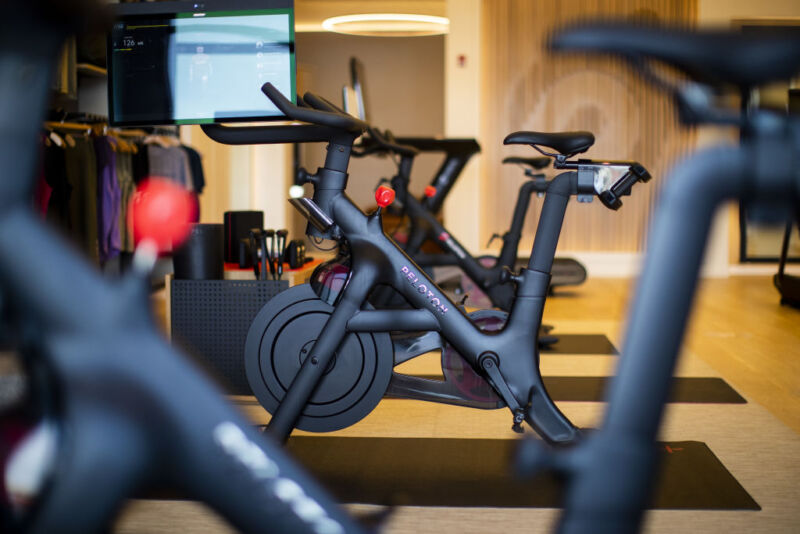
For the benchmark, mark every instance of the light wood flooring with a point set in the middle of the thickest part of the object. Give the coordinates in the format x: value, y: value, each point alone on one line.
x: 737, y: 330
x: 737, y: 327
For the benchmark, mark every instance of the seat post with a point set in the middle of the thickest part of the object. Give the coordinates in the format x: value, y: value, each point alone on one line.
x: 508, y: 253
x: 550, y: 221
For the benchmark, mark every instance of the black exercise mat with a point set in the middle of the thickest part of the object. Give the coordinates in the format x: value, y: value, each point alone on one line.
x: 700, y: 390
x: 580, y: 344
x: 684, y: 389
x: 475, y: 472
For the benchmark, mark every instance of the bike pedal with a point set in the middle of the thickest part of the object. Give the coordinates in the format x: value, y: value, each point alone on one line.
x: 519, y: 417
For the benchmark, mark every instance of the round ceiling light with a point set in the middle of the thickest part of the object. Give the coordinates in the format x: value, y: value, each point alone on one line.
x: 387, y: 24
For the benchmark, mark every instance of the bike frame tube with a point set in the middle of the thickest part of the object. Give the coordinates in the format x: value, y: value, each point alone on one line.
x: 425, y: 226
x: 376, y: 259
x: 508, y: 252
x: 107, y: 348
x: 612, y: 472
x: 456, y: 158
x: 129, y: 410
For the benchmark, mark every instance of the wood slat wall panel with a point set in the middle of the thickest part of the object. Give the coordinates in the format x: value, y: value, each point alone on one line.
x: 526, y: 88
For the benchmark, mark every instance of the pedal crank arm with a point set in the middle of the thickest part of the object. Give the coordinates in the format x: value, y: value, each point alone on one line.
x: 490, y: 364
x: 424, y: 389
x: 408, y: 345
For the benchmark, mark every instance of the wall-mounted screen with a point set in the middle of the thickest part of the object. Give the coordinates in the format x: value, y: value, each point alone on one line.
x: 199, y: 62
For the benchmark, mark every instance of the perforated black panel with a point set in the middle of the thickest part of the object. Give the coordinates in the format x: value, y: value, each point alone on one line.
x: 210, y: 320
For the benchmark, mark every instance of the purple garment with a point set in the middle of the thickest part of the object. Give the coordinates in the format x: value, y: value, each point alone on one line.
x: 109, y: 198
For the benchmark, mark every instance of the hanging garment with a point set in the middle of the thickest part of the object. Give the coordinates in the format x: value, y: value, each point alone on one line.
x: 42, y: 190
x: 82, y: 176
x: 109, y: 197
x: 141, y: 164
x: 55, y: 173
x: 169, y: 162
x: 196, y: 168
x: 127, y: 187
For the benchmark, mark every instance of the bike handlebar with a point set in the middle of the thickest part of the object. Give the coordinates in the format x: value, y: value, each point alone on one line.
x: 322, y: 103
x: 332, y: 119
x: 376, y: 142
x: 386, y: 142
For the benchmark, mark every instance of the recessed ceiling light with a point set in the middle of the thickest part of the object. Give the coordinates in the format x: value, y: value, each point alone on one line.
x: 387, y: 24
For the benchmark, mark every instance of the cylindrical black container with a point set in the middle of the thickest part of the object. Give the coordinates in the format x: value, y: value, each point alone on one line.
x: 201, y: 256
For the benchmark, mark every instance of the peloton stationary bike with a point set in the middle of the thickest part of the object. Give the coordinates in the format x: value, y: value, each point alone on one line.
x: 482, y: 273
x: 318, y: 359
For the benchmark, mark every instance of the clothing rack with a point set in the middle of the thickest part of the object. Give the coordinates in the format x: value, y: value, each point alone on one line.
x: 69, y: 126
x: 89, y: 127
x: 98, y: 124
x: 90, y: 171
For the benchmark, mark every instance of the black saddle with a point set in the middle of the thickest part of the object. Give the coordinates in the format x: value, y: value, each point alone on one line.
x: 713, y: 57
x: 534, y: 163
x: 565, y: 143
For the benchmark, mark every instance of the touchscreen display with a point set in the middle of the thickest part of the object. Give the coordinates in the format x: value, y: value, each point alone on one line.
x: 198, y: 67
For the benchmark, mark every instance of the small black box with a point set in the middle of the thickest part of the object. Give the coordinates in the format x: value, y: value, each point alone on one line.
x: 210, y: 320
x: 237, y: 226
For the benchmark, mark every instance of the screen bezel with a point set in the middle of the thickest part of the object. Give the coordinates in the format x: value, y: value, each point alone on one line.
x: 138, y: 10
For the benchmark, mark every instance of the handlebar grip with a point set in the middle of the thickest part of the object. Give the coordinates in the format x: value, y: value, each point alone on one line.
x: 323, y: 104
x: 323, y: 118
x: 402, y: 150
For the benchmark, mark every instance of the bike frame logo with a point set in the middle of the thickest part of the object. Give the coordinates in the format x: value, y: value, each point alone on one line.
x: 252, y: 457
x: 413, y: 279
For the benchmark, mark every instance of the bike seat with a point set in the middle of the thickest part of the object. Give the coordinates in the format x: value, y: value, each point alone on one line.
x: 565, y: 143
x: 534, y: 163
x: 708, y: 56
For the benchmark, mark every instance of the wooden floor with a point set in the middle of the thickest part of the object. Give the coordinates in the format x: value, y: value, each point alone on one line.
x: 738, y: 331
x: 737, y: 327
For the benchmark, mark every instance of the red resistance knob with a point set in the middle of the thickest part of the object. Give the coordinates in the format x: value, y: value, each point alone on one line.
x: 384, y: 196
x: 430, y: 191
x: 161, y: 211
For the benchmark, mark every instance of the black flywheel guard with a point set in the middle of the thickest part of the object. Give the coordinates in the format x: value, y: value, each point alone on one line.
x: 281, y: 337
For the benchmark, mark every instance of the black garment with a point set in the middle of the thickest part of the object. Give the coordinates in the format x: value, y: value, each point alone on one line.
x: 55, y: 174
x: 196, y: 166
x: 141, y: 164
x: 81, y: 169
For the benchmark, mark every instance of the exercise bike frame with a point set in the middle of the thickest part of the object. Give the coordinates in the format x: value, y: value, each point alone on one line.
x: 128, y: 409
x: 377, y: 260
x: 424, y: 226
x: 508, y: 359
x: 610, y: 475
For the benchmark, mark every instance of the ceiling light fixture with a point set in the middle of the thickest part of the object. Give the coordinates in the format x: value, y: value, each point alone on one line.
x: 387, y: 24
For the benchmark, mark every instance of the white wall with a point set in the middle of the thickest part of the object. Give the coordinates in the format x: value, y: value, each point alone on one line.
x: 404, y: 89
x: 462, y: 96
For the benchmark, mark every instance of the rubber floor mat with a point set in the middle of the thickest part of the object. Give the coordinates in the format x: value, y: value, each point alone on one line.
x: 581, y: 344
x: 476, y: 472
x: 700, y: 390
